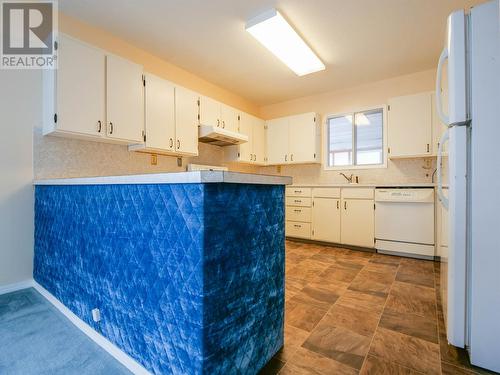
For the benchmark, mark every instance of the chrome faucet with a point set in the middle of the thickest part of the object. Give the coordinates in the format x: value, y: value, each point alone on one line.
x: 349, y: 179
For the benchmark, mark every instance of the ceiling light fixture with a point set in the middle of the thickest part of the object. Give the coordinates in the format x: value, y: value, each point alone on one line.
x: 276, y: 34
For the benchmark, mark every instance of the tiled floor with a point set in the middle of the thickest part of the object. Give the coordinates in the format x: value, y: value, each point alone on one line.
x: 350, y: 312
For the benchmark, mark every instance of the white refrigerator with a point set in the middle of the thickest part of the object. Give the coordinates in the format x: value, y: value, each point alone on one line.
x: 472, y: 54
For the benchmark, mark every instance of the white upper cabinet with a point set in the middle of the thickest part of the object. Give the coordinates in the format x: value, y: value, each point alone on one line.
x: 159, y: 104
x: 253, y: 151
x: 410, y: 126
x: 438, y: 128
x: 217, y: 114
x: 171, y: 119
x: 74, y: 102
x: 186, y: 121
x: 304, y: 138
x: 277, y: 141
x: 294, y: 139
x: 230, y: 118
x: 259, y: 142
x: 124, y: 99
x: 93, y: 95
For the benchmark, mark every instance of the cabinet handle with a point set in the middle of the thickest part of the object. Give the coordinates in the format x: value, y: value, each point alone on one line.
x: 297, y: 201
x: 178, y: 144
x: 298, y: 191
x: 286, y: 156
x: 223, y: 124
x: 110, y: 127
x: 297, y: 226
x: 428, y: 147
x: 298, y: 211
x: 171, y: 142
x: 338, y: 204
x: 291, y: 157
x: 345, y: 205
x: 99, y: 126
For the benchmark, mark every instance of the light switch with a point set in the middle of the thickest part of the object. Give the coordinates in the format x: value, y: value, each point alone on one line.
x: 96, y: 315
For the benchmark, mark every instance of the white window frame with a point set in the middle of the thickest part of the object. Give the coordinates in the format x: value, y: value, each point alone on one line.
x: 326, y: 138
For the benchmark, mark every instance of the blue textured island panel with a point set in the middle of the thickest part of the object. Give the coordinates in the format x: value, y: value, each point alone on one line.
x: 189, y: 278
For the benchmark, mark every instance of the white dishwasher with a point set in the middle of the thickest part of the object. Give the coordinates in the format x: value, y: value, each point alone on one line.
x: 404, y: 222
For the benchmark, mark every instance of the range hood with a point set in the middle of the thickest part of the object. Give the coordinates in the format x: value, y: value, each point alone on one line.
x: 220, y: 137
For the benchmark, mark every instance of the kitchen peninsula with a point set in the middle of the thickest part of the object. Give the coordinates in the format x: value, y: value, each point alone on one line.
x: 185, y: 269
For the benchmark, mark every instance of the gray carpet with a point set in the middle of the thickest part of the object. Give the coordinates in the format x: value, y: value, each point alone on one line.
x: 35, y: 338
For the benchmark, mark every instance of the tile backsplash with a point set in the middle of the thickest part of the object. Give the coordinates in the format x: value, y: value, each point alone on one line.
x: 56, y: 157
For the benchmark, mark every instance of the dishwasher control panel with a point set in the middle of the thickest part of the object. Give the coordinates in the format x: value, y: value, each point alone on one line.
x: 423, y: 195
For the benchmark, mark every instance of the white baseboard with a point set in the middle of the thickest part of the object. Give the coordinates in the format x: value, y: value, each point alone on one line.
x: 95, y: 336
x: 16, y: 286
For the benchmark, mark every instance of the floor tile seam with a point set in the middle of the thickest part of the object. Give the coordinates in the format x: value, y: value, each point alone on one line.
x: 378, y: 323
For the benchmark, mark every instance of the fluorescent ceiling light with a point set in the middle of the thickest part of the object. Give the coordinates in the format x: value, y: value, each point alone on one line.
x: 272, y: 30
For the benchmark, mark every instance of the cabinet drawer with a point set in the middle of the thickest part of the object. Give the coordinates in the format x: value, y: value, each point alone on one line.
x: 298, y: 192
x: 298, y: 214
x: 299, y: 230
x: 298, y: 201
x: 357, y: 193
x: 326, y: 192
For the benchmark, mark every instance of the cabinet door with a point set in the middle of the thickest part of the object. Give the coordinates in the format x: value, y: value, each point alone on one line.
x: 230, y: 118
x: 124, y: 100
x: 159, y: 113
x: 186, y: 121
x: 246, y: 149
x: 358, y: 223
x: 326, y: 220
x: 438, y: 128
x: 80, y: 88
x: 277, y: 141
x: 259, y: 141
x: 210, y: 112
x: 302, y: 138
x: 410, y: 125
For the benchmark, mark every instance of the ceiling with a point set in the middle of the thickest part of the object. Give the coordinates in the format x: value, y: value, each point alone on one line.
x: 359, y: 41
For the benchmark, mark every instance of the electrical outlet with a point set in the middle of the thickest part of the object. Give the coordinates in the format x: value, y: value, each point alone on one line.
x: 154, y: 159
x: 96, y: 315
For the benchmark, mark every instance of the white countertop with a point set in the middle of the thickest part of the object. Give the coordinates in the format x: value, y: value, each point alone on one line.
x: 371, y: 185
x: 195, y: 177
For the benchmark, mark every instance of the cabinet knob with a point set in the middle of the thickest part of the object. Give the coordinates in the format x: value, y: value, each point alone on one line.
x: 99, y: 126
x: 110, y: 127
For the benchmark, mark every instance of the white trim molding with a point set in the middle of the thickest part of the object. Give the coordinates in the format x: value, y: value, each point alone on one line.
x: 9, y: 288
x: 95, y: 336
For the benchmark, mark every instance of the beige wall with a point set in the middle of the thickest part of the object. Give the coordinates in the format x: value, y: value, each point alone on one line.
x: 369, y: 95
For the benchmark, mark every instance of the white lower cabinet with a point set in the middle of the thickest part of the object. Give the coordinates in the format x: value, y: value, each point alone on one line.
x: 358, y: 222
x: 344, y: 216
x: 326, y: 220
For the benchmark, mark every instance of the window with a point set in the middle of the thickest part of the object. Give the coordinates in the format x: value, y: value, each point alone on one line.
x: 356, y: 139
